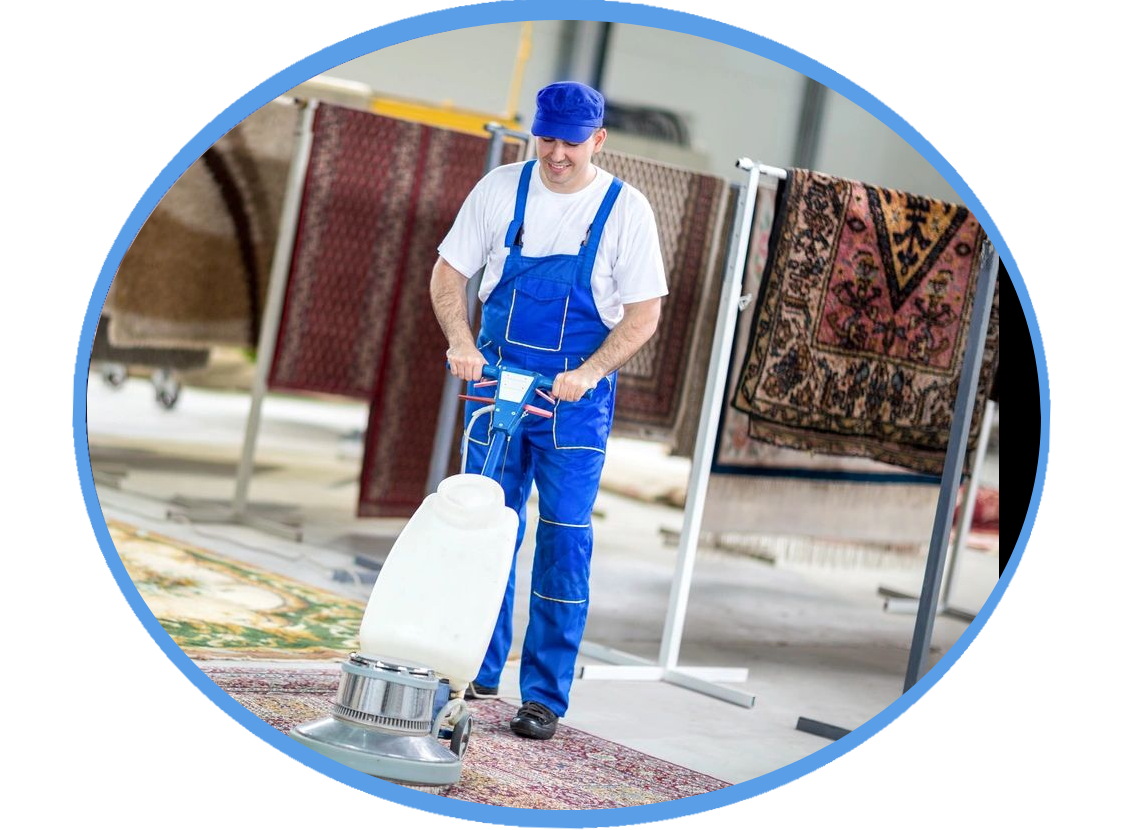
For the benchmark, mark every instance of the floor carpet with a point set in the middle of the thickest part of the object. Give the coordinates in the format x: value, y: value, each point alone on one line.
x: 574, y: 770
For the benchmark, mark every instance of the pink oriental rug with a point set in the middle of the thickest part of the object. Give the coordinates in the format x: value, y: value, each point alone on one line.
x: 862, y: 322
x: 572, y: 771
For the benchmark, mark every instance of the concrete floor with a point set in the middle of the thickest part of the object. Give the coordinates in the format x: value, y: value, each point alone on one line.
x: 813, y: 635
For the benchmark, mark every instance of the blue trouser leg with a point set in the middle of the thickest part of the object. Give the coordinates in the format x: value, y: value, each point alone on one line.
x: 564, y: 457
x: 567, y: 482
x: 568, y: 454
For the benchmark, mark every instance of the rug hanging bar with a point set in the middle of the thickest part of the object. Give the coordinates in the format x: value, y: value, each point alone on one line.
x: 726, y: 322
x: 725, y: 325
x: 447, y: 423
x: 772, y: 172
x: 952, y: 466
x: 969, y: 501
x: 928, y: 601
x: 272, y: 314
x: 901, y: 602
x: 238, y: 512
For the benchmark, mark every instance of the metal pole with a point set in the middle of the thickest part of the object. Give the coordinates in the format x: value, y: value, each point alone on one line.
x: 449, y: 398
x: 699, y: 679
x: 952, y: 466
x: 203, y: 510
x: 968, y: 503
x: 708, y: 417
x: 898, y: 602
x: 280, y: 272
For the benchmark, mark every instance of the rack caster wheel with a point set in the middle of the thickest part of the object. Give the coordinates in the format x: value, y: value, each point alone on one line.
x: 114, y: 374
x: 168, y: 388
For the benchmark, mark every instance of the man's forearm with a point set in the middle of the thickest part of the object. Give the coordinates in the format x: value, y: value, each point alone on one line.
x: 624, y: 341
x: 449, y: 303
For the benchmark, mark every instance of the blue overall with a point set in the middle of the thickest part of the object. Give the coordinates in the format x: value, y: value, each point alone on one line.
x: 542, y: 317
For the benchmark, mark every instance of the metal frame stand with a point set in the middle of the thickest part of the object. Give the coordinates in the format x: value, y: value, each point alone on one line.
x: 278, y: 520
x: 901, y: 602
x: 952, y: 466
x: 700, y: 679
x: 928, y: 601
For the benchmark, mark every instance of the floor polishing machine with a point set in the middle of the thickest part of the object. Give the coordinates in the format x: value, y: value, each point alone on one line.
x: 400, y: 713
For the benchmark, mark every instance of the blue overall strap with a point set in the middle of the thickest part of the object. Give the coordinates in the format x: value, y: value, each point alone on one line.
x: 593, y: 238
x: 519, y: 205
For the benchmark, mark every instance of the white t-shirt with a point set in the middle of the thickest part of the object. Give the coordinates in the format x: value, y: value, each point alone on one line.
x: 629, y: 266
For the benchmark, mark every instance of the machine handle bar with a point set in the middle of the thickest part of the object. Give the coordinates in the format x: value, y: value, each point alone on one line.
x: 542, y: 382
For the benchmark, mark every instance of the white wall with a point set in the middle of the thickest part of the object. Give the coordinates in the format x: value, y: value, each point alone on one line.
x: 735, y: 103
x: 856, y: 145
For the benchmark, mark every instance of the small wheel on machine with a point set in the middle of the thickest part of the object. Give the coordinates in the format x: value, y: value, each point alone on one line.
x: 461, y: 734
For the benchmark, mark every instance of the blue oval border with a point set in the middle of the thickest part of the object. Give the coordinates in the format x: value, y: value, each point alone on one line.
x: 478, y: 15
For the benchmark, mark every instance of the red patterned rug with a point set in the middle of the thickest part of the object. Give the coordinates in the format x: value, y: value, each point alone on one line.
x: 409, y: 381
x: 862, y: 322
x: 572, y: 771
x: 752, y: 482
x: 380, y: 194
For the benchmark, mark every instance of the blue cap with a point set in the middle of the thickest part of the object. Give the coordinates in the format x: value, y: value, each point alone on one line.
x: 569, y: 111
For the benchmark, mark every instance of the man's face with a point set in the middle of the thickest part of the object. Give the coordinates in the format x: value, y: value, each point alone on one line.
x: 565, y: 166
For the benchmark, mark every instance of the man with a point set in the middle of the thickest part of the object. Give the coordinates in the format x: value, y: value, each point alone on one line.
x: 572, y: 281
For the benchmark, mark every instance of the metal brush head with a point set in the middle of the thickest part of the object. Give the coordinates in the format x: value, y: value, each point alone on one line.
x: 381, y: 724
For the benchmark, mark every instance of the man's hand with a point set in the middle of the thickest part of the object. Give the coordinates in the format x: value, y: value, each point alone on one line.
x: 466, y: 362
x: 633, y: 331
x: 571, y: 385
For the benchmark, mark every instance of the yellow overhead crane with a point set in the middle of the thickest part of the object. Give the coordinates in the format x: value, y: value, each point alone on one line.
x: 446, y: 115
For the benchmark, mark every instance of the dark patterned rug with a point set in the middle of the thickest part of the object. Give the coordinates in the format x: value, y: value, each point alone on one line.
x: 574, y: 770
x: 856, y: 347
x: 165, y: 358
x: 736, y: 452
x: 752, y: 480
x: 691, y: 216
x: 354, y: 244
x: 380, y: 195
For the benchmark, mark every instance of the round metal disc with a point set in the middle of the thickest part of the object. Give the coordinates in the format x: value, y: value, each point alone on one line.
x: 412, y: 759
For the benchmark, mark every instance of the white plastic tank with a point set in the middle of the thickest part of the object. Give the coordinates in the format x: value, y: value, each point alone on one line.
x: 438, y: 594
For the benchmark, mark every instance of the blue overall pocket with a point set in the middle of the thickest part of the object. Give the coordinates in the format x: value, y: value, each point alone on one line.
x: 538, y: 312
x: 585, y: 425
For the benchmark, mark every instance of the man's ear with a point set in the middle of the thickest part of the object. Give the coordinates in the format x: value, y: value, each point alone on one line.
x: 599, y: 139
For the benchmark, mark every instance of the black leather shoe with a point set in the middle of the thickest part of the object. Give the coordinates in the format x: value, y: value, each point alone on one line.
x: 474, y: 690
x: 534, y: 721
